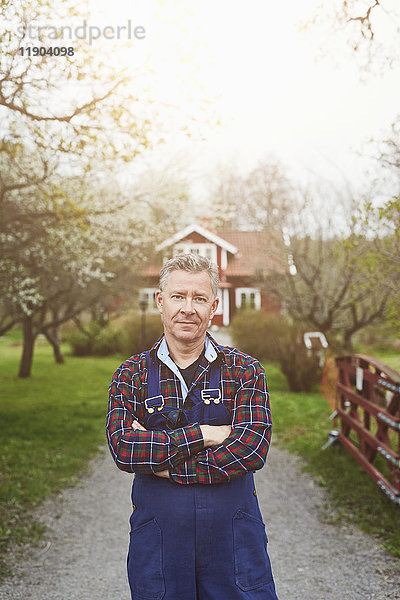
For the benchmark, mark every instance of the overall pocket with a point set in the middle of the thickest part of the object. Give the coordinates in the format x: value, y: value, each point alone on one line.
x: 252, y: 564
x: 145, y: 568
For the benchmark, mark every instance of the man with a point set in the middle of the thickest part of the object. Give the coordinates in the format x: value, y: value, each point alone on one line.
x: 191, y: 419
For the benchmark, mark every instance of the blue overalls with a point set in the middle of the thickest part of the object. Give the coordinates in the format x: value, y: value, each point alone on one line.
x: 195, y: 542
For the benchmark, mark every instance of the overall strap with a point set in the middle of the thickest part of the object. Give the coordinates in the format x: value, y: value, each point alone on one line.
x: 198, y: 395
x: 153, y: 378
x: 214, y: 375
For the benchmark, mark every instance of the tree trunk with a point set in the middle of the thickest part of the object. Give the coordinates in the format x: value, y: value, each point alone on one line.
x: 348, y: 344
x: 53, y: 339
x: 28, y: 347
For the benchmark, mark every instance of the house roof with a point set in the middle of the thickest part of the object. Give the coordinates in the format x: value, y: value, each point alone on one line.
x: 206, y: 233
x: 251, y: 252
x: 256, y: 254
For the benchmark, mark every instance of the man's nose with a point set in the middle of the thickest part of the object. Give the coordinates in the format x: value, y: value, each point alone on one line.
x: 187, y: 305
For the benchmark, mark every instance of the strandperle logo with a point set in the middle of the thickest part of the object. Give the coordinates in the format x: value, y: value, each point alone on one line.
x: 83, y: 31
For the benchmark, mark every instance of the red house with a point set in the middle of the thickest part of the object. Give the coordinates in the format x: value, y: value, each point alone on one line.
x: 243, y: 258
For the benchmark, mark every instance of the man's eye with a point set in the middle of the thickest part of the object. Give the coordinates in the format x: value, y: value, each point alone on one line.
x: 200, y: 299
x: 176, y: 297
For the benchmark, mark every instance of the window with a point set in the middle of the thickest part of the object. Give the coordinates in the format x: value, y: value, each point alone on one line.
x: 207, y: 250
x: 149, y: 294
x: 248, y: 298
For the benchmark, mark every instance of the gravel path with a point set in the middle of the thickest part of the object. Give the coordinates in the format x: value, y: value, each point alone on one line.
x: 82, y: 555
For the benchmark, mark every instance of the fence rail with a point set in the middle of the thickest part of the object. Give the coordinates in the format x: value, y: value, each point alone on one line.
x: 368, y: 406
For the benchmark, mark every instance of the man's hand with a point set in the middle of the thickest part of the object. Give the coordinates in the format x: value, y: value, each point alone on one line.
x: 164, y: 474
x: 214, y: 435
x: 138, y: 427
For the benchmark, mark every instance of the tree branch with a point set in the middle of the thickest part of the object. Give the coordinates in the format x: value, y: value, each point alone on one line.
x: 366, y: 19
x: 66, y: 118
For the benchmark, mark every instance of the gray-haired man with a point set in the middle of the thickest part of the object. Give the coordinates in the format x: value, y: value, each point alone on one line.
x: 191, y: 419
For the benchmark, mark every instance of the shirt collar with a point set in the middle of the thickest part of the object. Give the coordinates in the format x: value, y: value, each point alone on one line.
x: 212, y: 349
x: 160, y: 349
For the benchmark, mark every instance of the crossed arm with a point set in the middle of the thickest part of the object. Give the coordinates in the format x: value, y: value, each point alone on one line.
x: 213, y: 435
x: 196, y: 453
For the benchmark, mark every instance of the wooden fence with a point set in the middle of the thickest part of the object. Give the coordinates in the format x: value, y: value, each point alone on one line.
x: 368, y: 406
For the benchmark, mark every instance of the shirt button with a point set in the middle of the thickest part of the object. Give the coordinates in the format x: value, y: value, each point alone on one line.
x: 133, y: 506
x: 254, y: 493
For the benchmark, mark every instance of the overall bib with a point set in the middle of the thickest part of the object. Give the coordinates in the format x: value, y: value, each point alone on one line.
x: 195, y: 542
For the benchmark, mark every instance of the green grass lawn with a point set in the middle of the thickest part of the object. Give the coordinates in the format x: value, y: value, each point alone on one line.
x: 53, y: 423
x: 390, y: 358
x: 301, y: 424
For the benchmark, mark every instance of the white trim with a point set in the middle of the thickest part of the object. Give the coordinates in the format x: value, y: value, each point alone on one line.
x: 225, y: 314
x: 199, y: 248
x: 219, y: 310
x: 315, y: 334
x: 224, y: 259
x: 247, y: 291
x: 148, y: 293
x: 201, y: 231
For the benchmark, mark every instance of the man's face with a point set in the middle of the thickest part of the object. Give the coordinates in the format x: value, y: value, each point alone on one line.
x: 186, y: 305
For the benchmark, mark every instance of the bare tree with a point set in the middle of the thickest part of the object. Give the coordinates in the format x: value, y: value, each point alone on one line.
x: 329, y: 286
x: 259, y: 200
x: 383, y: 256
x: 368, y: 29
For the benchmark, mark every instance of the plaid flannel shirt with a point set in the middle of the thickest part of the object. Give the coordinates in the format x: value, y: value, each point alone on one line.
x: 181, y: 451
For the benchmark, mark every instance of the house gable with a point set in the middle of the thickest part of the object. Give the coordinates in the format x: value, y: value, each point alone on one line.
x: 203, y: 233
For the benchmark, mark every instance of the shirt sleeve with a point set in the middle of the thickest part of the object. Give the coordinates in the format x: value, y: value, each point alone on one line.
x: 245, y: 449
x: 143, y: 451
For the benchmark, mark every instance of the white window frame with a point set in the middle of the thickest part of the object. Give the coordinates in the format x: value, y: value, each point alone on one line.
x: 226, y: 315
x: 224, y: 259
x: 149, y: 293
x: 200, y: 249
x: 247, y: 292
x: 220, y: 306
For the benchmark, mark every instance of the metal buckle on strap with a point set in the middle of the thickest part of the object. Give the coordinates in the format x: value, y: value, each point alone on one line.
x: 208, y: 395
x: 155, y: 402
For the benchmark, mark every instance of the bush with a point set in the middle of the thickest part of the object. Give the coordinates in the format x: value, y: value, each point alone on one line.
x: 81, y: 341
x: 299, y: 365
x: 107, y: 342
x: 255, y: 333
x: 95, y: 340
x: 131, y: 339
x: 272, y: 338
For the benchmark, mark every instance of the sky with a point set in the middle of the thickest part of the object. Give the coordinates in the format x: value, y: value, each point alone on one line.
x: 253, y: 84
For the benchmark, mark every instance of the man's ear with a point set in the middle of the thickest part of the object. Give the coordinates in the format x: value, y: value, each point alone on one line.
x: 159, y: 301
x: 214, y: 307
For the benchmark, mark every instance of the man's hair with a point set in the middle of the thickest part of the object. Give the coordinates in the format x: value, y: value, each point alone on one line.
x: 193, y: 263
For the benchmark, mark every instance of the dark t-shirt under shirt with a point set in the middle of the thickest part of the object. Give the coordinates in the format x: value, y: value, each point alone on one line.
x: 189, y: 372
